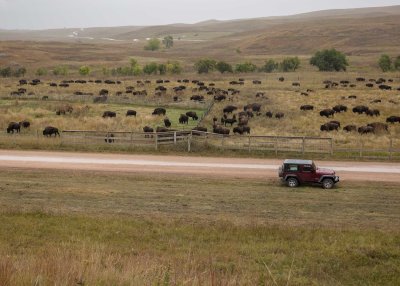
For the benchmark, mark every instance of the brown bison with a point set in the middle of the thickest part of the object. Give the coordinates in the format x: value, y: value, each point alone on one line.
x: 50, y: 130
x: 159, y: 111
x: 109, y: 114
x: 13, y: 126
x: 327, y: 113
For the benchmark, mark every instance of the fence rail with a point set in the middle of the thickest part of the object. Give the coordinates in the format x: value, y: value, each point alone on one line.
x: 194, y: 141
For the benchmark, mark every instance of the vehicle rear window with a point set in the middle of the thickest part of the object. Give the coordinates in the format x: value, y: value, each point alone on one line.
x: 292, y: 168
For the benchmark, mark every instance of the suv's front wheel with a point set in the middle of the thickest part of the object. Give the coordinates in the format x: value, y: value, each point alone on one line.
x: 292, y: 182
x: 328, y: 183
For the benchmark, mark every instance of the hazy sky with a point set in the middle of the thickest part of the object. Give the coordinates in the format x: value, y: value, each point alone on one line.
x: 41, y: 14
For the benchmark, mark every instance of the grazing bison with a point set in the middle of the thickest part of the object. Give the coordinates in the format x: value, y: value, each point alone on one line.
x: 230, y: 121
x: 197, y: 98
x: 183, y: 119
x: 330, y: 126
x: 350, y: 128
x: 229, y: 109
x: 393, y: 119
x: 372, y: 112
x: 219, y: 97
x: 269, y: 114
x: 379, y: 126
x: 327, y: 113
x: 256, y: 107
x: 295, y: 84
x: 167, y: 123
x: 25, y: 124
x: 131, y: 113
x: 340, y: 108
x: 13, y: 126
x: 366, y: 129
x: 369, y: 85
x: 241, y: 130
x: 385, y: 87
x: 159, y: 111
x: 148, y: 129
x: 192, y: 115
x: 221, y: 130
x: 200, y: 129
x: 306, y: 107
x: 352, y: 96
x: 109, y: 114
x: 109, y: 138
x: 279, y: 115
x: 335, y: 122
x: 281, y: 79
x: 360, y: 109
x: 50, y: 130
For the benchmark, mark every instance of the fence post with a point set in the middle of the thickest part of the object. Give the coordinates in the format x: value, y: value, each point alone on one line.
x: 303, y: 145
x: 156, y: 141
x: 190, y: 142
x: 331, y: 146
x: 361, y: 148
x: 276, y: 145
x: 390, y: 148
x: 249, y: 144
x: 174, y: 137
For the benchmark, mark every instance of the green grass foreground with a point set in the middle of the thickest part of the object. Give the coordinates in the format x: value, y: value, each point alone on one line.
x: 91, y: 228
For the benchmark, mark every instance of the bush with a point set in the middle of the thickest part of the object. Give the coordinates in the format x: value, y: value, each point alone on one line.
x: 168, y: 42
x: 385, y: 63
x: 162, y: 69
x: 245, y: 67
x: 153, y: 45
x: 6, y: 72
x: 174, y: 68
x: 329, y: 60
x: 397, y: 63
x: 270, y: 66
x: 84, y: 70
x: 41, y: 72
x: 60, y: 70
x: 21, y: 71
x: 151, y: 68
x: 205, y: 65
x: 290, y: 64
x: 224, y: 67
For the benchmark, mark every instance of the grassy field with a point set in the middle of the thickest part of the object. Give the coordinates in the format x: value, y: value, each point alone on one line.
x: 127, y: 229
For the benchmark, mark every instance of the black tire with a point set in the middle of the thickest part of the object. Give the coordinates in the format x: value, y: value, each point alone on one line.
x: 328, y: 183
x: 292, y: 182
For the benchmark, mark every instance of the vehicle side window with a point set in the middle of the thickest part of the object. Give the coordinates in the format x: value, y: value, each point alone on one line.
x: 292, y: 168
x: 307, y: 168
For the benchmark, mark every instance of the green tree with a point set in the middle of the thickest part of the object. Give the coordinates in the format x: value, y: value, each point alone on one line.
x: 151, y: 68
x: 84, y: 70
x: 174, y: 68
x: 6, y: 72
x: 385, y: 63
x: 397, y: 63
x: 224, y: 67
x: 329, y: 60
x: 270, y: 66
x: 21, y: 71
x: 153, y: 45
x: 162, y: 69
x: 205, y: 65
x: 41, y: 72
x: 245, y: 67
x: 168, y: 41
x: 60, y: 70
x: 290, y: 64
x: 133, y: 62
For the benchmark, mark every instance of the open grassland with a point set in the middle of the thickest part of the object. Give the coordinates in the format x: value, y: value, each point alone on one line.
x: 90, y: 228
x: 278, y: 97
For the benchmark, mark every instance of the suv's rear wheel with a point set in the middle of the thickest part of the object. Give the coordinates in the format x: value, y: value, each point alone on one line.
x: 328, y: 183
x: 292, y: 182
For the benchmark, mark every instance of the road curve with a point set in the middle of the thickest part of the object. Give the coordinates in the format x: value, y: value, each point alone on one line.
x: 206, y: 166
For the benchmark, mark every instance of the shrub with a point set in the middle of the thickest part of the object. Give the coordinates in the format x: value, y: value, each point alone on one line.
x: 153, y: 45
x: 151, y: 68
x: 224, y: 67
x: 168, y: 42
x: 60, y: 70
x: 329, y: 60
x: 205, y: 65
x: 245, y: 67
x: 397, y: 63
x: 84, y: 70
x: 41, y: 72
x: 270, y: 66
x: 162, y: 69
x: 290, y: 64
x: 385, y: 63
x: 6, y: 72
x: 174, y: 67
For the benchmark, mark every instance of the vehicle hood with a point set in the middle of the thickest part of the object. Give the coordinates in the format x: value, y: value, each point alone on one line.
x: 322, y: 171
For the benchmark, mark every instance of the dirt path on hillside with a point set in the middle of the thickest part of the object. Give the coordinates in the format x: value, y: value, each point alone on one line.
x: 203, y: 166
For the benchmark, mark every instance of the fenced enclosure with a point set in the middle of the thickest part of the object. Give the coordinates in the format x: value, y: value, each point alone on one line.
x: 196, y: 141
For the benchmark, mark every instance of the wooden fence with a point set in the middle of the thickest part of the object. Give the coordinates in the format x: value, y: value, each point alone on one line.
x: 194, y: 141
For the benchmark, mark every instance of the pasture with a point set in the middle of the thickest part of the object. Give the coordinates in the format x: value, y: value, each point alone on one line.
x: 39, y: 103
x: 129, y: 229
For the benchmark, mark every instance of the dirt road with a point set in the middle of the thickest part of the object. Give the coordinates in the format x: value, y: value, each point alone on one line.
x: 205, y: 166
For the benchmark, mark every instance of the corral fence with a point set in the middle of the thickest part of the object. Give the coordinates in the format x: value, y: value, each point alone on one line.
x: 196, y: 141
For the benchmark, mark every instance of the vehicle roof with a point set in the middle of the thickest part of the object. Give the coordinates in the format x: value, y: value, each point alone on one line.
x: 298, y: 162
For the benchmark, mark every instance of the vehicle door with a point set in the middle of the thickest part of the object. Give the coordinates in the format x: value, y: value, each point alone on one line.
x: 308, y: 173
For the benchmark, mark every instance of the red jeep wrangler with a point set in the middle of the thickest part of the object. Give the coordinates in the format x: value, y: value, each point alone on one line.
x: 295, y: 172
